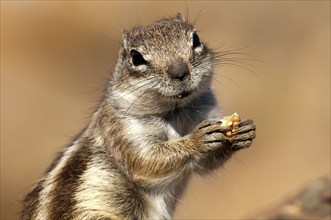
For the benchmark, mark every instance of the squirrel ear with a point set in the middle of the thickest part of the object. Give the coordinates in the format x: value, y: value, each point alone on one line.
x: 125, y: 38
x: 180, y: 16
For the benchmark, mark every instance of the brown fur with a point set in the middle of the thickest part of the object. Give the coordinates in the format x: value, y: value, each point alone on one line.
x: 151, y: 130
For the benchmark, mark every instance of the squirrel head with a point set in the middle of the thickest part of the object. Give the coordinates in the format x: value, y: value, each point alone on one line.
x: 165, y: 61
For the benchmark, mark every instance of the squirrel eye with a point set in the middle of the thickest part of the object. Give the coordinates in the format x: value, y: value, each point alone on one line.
x: 196, y: 40
x: 137, y: 58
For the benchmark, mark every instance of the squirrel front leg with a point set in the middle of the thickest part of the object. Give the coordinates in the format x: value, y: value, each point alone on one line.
x: 169, y: 158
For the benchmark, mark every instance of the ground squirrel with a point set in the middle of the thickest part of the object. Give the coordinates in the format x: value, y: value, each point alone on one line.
x: 157, y: 123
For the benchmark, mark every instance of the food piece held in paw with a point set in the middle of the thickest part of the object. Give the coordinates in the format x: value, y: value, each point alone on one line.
x: 232, y: 122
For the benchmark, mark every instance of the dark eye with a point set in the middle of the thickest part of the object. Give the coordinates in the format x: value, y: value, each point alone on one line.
x: 196, y: 40
x: 137, y: 58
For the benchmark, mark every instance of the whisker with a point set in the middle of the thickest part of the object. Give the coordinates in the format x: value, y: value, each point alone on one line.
x: 228, y: 39
x: 225, y: 53
x: 188, y: 116
x: 218, y: 81
x: 199, y: 14
x: 229, y: 78
x: 236, y: 47
x: 134, y: 102
x: 243, y: 62
x: 85, y: 92
x: 241, y: 66
x: 136, y: 89
x: 187, y: 10
x: 137, y: 12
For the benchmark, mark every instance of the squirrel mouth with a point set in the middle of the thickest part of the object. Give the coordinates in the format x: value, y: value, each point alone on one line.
x: 182, y: 95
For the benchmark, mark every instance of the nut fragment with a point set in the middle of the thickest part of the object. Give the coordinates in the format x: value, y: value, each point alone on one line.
x: 232, y: 122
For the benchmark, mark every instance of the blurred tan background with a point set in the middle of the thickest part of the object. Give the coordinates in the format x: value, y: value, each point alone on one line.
x: 57, y: 56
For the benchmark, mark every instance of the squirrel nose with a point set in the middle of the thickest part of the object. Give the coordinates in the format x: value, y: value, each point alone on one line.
x: 178, y: 70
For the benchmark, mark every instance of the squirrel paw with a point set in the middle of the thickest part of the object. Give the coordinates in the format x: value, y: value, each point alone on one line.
x: 209, y: 135
x: 243, y: 135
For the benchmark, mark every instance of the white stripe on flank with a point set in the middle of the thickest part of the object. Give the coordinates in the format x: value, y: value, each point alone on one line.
x: 50, y: 181
x: 93, y: 195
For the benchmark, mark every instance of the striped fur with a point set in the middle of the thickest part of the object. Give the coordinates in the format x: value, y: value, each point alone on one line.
x: 134, y: 159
